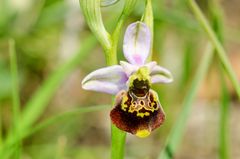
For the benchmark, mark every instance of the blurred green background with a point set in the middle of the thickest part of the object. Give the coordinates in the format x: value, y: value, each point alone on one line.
x: 50, y: 33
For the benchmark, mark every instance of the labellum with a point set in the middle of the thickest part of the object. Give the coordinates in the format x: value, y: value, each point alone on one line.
x: 138, y: 110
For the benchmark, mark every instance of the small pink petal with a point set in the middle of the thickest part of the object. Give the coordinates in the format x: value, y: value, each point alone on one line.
x: 128, y: 68
x: 137, y: 43
x: 160, y: 75
x: 151, y: 65
x: 160, y: 79
x: 137, y: 58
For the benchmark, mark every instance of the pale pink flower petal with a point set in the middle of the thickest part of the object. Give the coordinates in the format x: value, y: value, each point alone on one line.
x: 136, y: 45
x: 160, y: 75
x: 109, y: 80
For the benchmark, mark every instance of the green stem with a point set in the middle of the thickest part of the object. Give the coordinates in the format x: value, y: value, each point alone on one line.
x: 15, y: 96
x: 118, y: 137
x: 148, y: 19
x: 176, y: 133
x: 111, y: 58
x: 118, y: 143
x: 216, y: 17
x: 216, y: 43
x: 224, y: 122
x: 92, y: 12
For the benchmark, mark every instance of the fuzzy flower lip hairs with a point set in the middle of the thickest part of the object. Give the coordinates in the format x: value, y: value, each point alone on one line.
x: 137, y: 109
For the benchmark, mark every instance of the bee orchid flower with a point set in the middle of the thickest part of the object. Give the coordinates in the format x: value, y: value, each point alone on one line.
x: 137, y: 108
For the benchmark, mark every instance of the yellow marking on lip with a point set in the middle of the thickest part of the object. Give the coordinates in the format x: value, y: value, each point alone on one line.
x: 143, y: 114
x: 123, y: 105
x: 143, y: 133
x: 131, y: 110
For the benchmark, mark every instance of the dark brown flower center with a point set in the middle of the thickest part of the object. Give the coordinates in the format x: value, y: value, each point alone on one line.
x: 140, y: 87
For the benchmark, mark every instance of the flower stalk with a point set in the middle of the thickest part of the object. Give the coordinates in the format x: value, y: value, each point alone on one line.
x: 148, y: 19
x: 137, y: 109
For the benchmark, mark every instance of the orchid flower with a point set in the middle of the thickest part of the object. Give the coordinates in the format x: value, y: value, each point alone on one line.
x: 137, y: 109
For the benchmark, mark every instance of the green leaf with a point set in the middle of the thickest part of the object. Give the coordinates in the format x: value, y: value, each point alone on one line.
x: 92, y: 12
x: 217, y: 44
x: 6, y: 150
x: 176, y: 133
x: 15, y: 96
x: 148, y: 19
x: 66, y: 115
x: 224, y: 121
x: 216, y: 17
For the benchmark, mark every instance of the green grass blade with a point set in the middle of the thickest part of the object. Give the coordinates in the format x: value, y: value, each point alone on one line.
x: 217, y: 24
x: 8, y: 149
x: 176, y: 133
x: 224, y: 122
x: 175, y: 18
x: 188, y: 63
x: 37, y: 104
x: 65, y: 115
x: 15, y: 97
x: 216, y: 43
x: 40, y: 99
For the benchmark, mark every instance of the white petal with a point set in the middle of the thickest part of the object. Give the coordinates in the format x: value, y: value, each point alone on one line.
x: 128, y: 68
x: 160, y: 75
x: 105, y: 87
x: 136, y: 45
x: 160, y: 79
x: 108, y: 80
x: 151, y: 65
